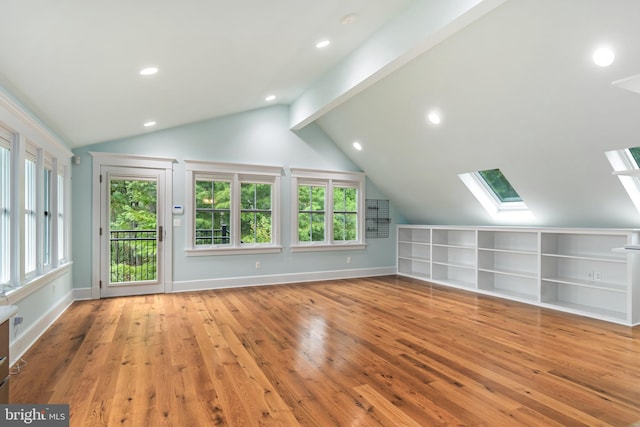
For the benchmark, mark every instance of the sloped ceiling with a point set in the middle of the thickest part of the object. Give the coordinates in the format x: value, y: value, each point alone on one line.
x: 517, y: 90
x: 75, y: 63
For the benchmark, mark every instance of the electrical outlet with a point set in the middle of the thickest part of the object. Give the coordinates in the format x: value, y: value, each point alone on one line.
x: 597, y: 276
x: 258, y: 265
x: 348, y: 260
x: 17, y: 320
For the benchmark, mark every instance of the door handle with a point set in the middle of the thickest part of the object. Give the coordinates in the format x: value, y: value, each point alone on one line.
x: 160, y: 233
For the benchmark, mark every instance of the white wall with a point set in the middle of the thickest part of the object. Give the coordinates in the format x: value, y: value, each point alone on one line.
x: 257, y: 137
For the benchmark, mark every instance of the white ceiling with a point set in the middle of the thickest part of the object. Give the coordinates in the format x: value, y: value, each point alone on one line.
x: 517, y: 90
x: 75, y: 63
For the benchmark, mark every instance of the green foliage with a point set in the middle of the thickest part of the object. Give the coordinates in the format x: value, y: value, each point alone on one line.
x: 311, y: 205
x: 255, y: 217
x: 500, y: 186
x: 213, y: 210
x: 345, y: 216
x: 133, y: 205
x: 133, y: 222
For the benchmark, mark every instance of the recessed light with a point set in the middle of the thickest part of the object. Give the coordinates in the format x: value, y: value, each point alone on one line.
x: 348, y: 19
x: 270, y: 98
x: 148, y: 71
x: 434, y: 118
x: 323, y: 44
x: 357, y: 146
x: 603, y: 57
x: 149, y: 124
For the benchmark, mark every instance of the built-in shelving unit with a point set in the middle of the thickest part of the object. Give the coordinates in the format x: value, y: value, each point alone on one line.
x: 583, y: 271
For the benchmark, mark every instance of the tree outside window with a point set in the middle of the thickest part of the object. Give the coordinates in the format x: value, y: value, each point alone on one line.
x: 311, y: 213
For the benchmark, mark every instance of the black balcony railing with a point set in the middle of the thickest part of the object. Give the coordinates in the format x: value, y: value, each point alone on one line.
x: 216, y: 236
x: 133, y: 255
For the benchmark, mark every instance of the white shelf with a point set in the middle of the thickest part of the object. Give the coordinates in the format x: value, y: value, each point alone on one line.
x: 508, y: 251
x: 599, y: 257
x: 575, y: 270
x: 613, y: 287
x: 600, y: 313
x: 520, y: 296
x: 449, y: 264
x: 515, y: 273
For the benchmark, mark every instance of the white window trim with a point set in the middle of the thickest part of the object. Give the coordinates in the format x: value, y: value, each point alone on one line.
x: 625, y: 169
x: 22, y: 284
x: 329, y: 179
x: 498, y: 210
x: 235, y: 173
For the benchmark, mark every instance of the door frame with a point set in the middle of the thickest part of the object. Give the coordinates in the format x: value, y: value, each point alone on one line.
x: 161, y: 164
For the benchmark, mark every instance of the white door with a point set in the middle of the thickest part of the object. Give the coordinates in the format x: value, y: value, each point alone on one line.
x: 132, y: 231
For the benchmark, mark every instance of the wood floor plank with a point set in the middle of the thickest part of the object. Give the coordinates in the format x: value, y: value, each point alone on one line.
x: 381, y: 351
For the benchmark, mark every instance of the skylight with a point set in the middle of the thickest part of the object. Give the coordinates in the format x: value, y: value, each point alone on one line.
x: 635, y: 153
x: 496, y: 195
x: 499, y: 185
x: 626, y: 165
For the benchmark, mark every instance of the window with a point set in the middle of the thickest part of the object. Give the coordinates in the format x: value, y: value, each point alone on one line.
x: 626, y: 165
x: 345, y: 214
x: 29, y: 203
x: 635, y: 154
x: 496, y: 194
x: 30, y: 219
x: 5, y: 209
x: 232, y: 208
x: 328, y: 210
x: 311, y: 213
x: 213, y: 211
x: 255, y: 212
x: 46, y: 188
x: 498, y: 184
x: 61, y: 235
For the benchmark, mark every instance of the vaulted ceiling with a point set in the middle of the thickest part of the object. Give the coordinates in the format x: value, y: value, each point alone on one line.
x: 517, y: 90
x: 513, y: 81
x: 75, y: 63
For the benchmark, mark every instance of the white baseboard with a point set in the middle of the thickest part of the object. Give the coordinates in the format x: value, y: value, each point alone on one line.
x: 80, y: 294
x: 26, y: 339
x: 238, y: 282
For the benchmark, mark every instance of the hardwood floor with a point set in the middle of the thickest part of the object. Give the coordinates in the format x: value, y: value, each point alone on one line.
x: 384, y: 351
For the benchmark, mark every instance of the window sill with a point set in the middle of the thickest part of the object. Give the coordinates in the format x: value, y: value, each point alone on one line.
x: 244, y: 250
x: 12, y: 296
x: 324, y: 247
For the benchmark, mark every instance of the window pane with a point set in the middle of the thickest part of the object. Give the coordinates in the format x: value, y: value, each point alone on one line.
x: 30, y: 217
x: 497, y: 182
x: 255, y: 215
x: 338, y: 200
x: 317, y: 228
x: 255, y: 227
x: 351, y: 199
x: 311, y: 214
x: 61, y: 219
x: 222, y: 195
x: 5, y: 214
x: 317, y: 202
x: 213, y: 202
x: 635, y: 152
x: 345, y: 214
x: 204, y: 194
x: 47, y: 217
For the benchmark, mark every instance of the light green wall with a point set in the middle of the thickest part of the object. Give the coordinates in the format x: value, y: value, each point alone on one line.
x: 255, y: 137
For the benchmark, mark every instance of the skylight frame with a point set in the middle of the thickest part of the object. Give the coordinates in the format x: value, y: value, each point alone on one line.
x: 627, y: 169
x: 490, y: 201
x: 494, y: 192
